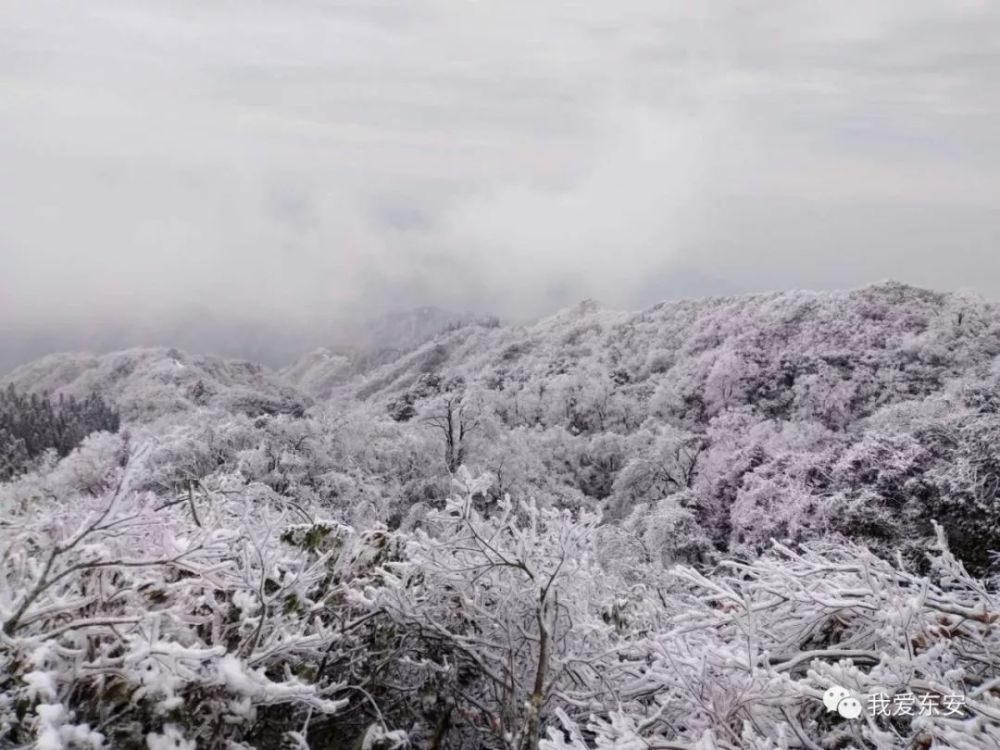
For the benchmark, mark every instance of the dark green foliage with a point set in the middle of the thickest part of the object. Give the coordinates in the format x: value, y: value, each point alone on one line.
x: 31, y: 425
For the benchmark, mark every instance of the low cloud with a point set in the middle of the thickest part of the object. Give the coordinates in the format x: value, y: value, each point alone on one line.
x: 287, y: 165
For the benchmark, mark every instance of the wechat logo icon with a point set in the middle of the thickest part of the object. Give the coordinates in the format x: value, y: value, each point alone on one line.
x: 840, y: 700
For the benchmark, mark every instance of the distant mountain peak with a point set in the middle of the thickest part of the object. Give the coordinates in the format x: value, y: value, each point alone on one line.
x: 378, y: 341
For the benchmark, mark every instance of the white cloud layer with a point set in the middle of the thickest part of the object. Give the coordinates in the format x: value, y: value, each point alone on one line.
x: 298, y: 160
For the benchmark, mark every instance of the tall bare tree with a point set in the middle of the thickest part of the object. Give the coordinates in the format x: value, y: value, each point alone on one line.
x: 455, y: 419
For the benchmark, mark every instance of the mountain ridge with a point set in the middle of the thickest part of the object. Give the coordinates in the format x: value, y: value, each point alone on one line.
x: 144, y: 383
x: 686, y: 337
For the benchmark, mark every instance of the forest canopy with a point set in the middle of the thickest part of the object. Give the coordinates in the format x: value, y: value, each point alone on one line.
x: 677, y: 528
x: 30, y: 425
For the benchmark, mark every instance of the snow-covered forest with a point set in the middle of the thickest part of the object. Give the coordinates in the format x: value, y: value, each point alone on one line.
x: 670, y: 529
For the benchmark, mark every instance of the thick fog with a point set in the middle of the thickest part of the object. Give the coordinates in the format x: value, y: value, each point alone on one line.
x: 244, y: 176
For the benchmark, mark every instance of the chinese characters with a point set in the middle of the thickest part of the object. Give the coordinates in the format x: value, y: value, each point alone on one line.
x: 911, y: 704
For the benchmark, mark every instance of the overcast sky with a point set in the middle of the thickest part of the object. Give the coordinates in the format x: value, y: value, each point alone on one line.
x: 165, y: 162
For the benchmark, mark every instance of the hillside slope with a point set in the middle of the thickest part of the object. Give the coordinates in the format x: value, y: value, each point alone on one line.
x: 691, y: 521
x: 146, y: 383
x: 832, y: 357
x: 869, y: 413
x: 361, y: 348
